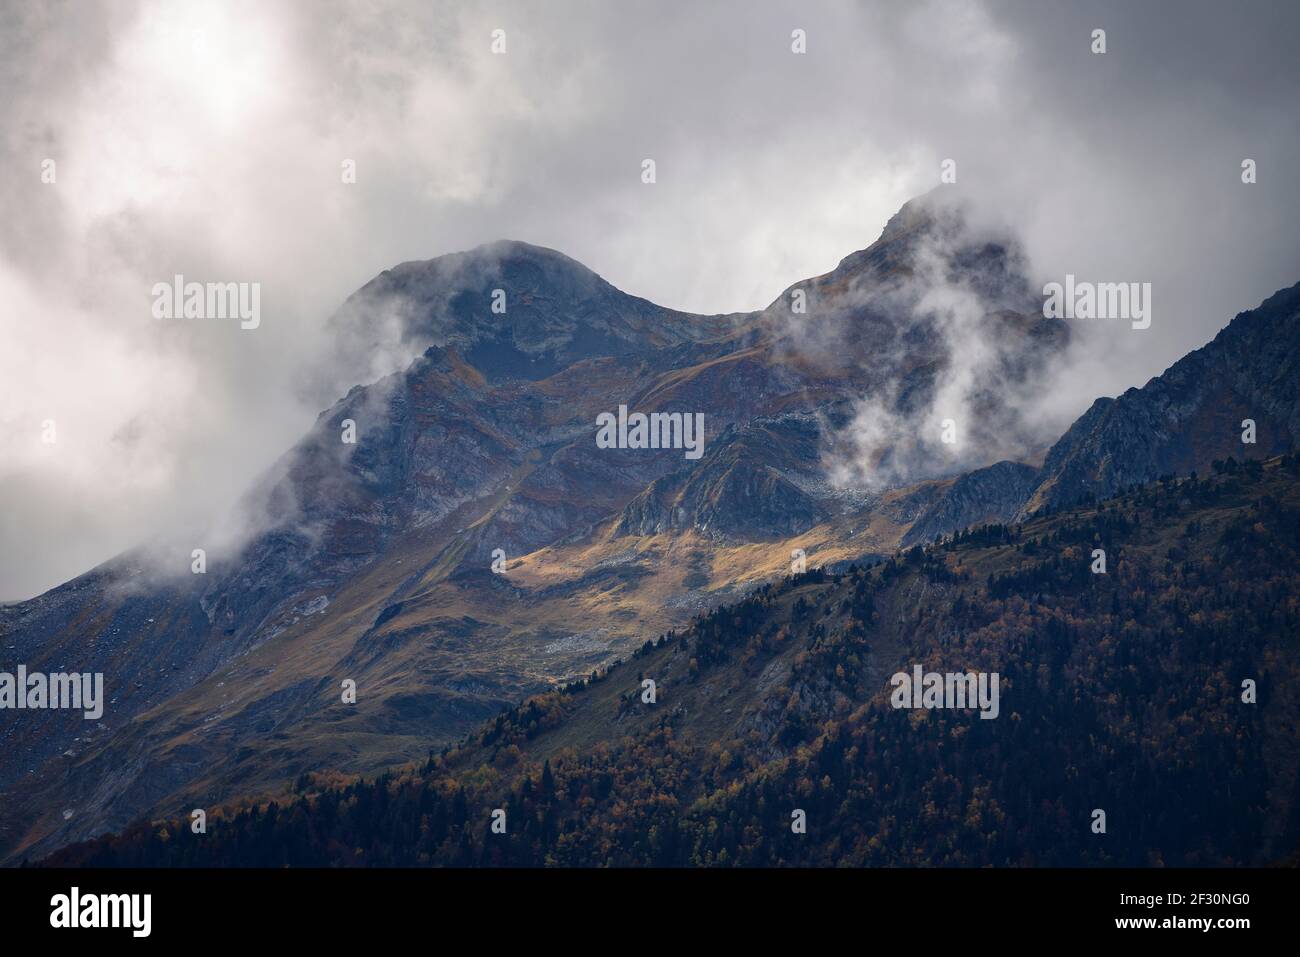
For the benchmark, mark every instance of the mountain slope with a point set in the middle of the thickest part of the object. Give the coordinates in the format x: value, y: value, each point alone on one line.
x: 1183, y: 420
x: 781, y: 703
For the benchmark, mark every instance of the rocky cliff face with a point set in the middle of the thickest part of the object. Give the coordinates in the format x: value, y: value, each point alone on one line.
x: 747, y: 487
x: 985, y: 496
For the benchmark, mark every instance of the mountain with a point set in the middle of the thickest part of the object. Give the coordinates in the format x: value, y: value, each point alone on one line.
x: 1183, y: 420
x: 1121, y: 692
x: 372, y: 561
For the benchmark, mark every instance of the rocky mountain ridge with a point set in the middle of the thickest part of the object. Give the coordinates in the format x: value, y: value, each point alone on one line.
x: 373, y: 561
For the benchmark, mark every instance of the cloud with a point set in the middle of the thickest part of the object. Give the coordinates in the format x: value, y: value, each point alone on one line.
x: 207, y: 140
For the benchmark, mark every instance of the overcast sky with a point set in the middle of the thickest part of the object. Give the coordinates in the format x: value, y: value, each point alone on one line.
x: 207, y: 140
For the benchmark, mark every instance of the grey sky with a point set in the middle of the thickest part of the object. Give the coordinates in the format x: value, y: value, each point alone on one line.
x: 206, y: 140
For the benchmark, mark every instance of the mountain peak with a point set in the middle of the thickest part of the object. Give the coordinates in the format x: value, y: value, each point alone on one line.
x: 514, y: 310
x: 933, y: 240
x: 502, y: 256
